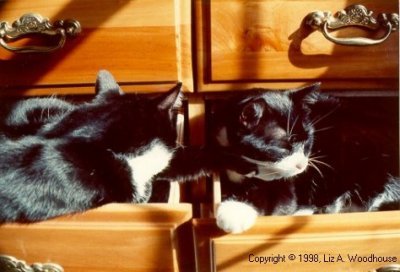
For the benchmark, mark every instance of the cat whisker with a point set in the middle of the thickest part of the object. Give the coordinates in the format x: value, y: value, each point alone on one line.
x: 314, y: 183
x: 294, y: 123
x: 316, y: 168
x: 319, y: 119
x: 323, y: 129
x: 288, y: 122
x: 321, y: 162
x: 317, y: 157
x: 41, y: 114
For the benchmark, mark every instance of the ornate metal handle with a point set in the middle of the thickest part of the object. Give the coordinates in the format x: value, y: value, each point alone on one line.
x: 355, y: 15
x: 32, y: 23
x: 388, y: 268
x: 11, y: 264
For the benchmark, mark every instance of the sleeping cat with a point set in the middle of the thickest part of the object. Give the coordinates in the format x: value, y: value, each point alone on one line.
x: 302, y: 152
x: 59, y: 158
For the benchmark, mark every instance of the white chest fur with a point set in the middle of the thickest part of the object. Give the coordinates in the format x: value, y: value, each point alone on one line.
x: 144, y: 166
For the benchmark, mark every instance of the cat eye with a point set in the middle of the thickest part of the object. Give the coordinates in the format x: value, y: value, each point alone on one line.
x: 293, y: 138
x: 298, y: 138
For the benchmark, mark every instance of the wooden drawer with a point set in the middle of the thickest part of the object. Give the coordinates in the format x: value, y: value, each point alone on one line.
x: 318, y: 243
x: 144, y: 43
x: 265, y: 43
x: 116, y: 237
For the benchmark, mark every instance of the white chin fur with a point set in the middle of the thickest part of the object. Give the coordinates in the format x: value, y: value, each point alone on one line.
x: 289, y: 166
x: 292, y: 165
x: 235, y: 217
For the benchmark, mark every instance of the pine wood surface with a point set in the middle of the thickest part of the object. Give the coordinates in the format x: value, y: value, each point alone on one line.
x: 142, y: 42
x: 115, y: 237
x: 325, y: 235
x: 264, y: 43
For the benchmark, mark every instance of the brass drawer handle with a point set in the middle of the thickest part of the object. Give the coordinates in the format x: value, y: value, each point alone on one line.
x: 388, y: 268
x: 32, y: 23
x: 11, y: 264
x: 355, y: 15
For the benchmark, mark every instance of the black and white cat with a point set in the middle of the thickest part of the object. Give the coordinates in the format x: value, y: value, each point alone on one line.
x: 290, y: 166
x: 59, y: 158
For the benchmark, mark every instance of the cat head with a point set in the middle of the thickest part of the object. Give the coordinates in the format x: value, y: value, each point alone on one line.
x: 271, y: 129
x: 107, y: 88
x: 135, y: 119
x: 122, y: 122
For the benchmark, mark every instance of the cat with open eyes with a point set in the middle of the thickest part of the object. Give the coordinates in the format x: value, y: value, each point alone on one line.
x: 59, y: 158
x: 302, y: 152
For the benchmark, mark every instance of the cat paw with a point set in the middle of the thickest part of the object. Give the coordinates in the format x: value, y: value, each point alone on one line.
x: 235, y: 216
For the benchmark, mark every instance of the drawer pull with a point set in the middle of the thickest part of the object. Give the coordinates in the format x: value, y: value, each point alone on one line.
x: 388, y: 268
x: 11, y: 264
x: 33, y: 24
x: 355, y: 15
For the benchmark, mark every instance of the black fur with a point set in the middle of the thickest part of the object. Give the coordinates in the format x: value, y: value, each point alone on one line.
x: 58, y: 158
x: 358, y: 149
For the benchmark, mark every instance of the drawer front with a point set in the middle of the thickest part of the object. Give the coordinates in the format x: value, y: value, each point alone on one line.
x: 266, y: 43
x: 139, y: 41
x: 356, y: 242
x: 332, y: 252
x: 115, y: 237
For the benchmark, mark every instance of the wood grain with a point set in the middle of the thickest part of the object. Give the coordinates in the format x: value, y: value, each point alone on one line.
x: 140, y: 42
x: 356, y: 233
x: 243, y: 44
x: 116, y: 237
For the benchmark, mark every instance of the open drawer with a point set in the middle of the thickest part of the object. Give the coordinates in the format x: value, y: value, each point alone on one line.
x: 115, y: 237
x: 329, y: 242
x: 345, y: 242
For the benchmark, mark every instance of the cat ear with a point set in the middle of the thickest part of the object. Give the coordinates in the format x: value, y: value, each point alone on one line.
x: 306, y: 94
x: 106, y: 84
x: 311, y: 95
x: 251, y: 113
x: 172, y: 99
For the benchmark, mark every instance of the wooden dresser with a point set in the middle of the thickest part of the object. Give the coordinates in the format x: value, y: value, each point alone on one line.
x: 245, y: 44
x: 146, y: 45
x: 215, y: 47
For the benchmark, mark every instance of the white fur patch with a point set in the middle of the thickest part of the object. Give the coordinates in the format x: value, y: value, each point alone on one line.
x: 289, y: 166
x: 339, y: 204
x: 391, y: 194
x: 304, y: 211
x: 148, y: 164
x: 292, y: 165
x: 235, y: 217
x: 377, y: 202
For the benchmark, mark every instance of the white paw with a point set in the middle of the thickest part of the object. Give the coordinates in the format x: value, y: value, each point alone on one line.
x: 304, y: 211
x: 235, y: 217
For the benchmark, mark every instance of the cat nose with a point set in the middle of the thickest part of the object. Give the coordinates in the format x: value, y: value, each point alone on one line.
x: 300, y: 165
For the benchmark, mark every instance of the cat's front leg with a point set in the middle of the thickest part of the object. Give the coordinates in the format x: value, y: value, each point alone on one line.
x: 192, y: 162
x: 235, y: 216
